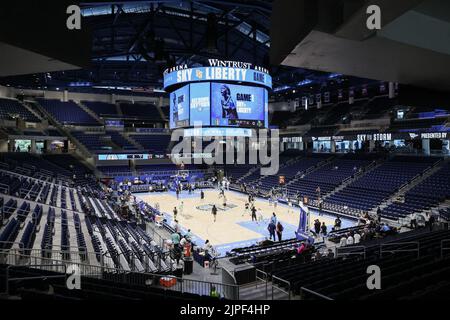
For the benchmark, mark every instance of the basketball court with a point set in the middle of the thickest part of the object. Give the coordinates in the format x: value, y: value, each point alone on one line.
x: 233, y: 227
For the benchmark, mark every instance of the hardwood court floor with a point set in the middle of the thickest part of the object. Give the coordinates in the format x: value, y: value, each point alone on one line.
x: 231, y: 225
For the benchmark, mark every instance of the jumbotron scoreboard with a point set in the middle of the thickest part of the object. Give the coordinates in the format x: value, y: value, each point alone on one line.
x: 221, y: 94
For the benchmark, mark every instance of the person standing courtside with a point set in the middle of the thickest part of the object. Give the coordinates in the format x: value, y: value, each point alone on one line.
x: 271, y: 227
x: 273, y: 219
x: 337, y: 223
x: 280, y: 229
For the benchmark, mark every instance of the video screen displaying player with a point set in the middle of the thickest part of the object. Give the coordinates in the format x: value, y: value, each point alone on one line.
x: 237, y: 105
x: 174, y: 107
x: 179, y: 107
x: 228, y: 105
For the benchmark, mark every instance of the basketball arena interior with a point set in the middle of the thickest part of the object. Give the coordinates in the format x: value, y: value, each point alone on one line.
x: 206, y: 150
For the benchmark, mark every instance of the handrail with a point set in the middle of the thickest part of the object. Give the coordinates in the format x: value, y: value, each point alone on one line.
x: 339, y: 254
x: 443, y: 242
x: 288, y: 291
x: 264, y: 278
x: 303, y: 289
x: 416, y: 243
x: 229, y: 291
x: 5, y: 186
x: 7, y: 279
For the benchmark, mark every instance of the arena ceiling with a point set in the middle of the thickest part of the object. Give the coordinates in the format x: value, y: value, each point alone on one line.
x: 412, y: 47
x: 132, y: 42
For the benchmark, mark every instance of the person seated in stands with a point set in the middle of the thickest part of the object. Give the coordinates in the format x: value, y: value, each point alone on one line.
x: 330, y: 254
x: 357, y: 237
x: 265, y: 242
x: 384, y: 229
x: 343, y: 241
x: 365, y: 234
x: 301, y: 248
x: 317, y: 255
x: 350, y: 240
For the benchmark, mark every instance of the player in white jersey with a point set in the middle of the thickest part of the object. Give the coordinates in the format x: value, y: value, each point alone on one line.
x: 181, y: 208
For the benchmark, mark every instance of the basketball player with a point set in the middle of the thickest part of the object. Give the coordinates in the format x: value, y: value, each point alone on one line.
x: 289, y: 205
x: 254, y: 214
x: 260, y: 216
x: 214, y: 212
x: 246, y: 211
x: 175, y: 212
x: 229, y: 110
x: 175, y: 108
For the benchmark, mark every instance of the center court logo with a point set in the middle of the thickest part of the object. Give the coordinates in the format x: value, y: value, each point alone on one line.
x: 263, y: 149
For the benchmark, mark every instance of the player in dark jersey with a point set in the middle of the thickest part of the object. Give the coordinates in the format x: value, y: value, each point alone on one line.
x: 175, y: 108
x: 228, y: 105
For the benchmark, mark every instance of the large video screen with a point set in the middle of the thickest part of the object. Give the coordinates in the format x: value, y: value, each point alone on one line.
x: 179, y: 108
x: 200, y: 97
x: 237, y: 105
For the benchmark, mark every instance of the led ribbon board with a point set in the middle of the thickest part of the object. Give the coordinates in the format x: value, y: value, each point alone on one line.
x: 249, y: 76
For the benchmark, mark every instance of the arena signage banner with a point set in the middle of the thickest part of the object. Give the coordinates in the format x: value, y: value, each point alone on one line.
x: 200, y: 104
x: 217, y: 74
x: 387, y: 136
x: 292, y: 139
x: 222, y: 63
x: 434, y: 135
x: 218, y: 132
x: 124, y: 156
x: 179, y: 107
x: 329, y: 138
